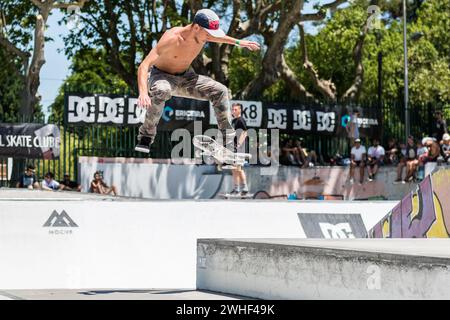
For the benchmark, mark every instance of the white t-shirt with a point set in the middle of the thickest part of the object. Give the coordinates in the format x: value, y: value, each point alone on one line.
x: 358, y: 152
x: 52, y: 184
x: 376, y: 152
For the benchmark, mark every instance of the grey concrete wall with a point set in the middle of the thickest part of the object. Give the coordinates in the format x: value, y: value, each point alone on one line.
x: 349, y: 269
x: 157, y: 179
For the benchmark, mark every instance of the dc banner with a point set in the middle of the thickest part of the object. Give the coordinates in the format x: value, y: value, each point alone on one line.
x: 331, y: 120
x: 29, y: 140
x: 85, y: 109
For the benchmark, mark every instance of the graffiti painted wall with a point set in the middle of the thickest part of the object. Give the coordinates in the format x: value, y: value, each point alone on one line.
x: 423, y: 213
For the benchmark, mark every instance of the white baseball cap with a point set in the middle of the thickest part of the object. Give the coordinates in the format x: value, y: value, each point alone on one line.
x: 210, y: 21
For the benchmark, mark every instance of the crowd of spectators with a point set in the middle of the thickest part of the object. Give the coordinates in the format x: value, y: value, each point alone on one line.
x: 29, y: 180
x: 409, y: 158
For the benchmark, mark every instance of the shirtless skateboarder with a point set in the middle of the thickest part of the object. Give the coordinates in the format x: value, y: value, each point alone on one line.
x: 169, y: 64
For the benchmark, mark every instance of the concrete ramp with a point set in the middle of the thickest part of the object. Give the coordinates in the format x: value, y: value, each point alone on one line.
x: 326, y: 269
x: 58, y: 240
x: 423, y: 213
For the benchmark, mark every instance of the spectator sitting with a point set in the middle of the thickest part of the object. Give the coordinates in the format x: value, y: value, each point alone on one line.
x: 445, y: 148
x: 358, y: 158
x: 28, y: 179
x: 49, y: 184
x: 69, y: 185
x: 290, y: 154
x: 99, y: 186
x: 409, y: 160
x: 306, y: 159
x: 375, y: 158
x: 392, y: 152
x: 433, y: 151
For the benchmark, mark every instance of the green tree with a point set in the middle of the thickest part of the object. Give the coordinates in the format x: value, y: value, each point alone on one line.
x: 90, y: 72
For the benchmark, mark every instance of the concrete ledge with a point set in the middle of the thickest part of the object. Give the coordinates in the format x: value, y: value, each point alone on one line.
x: 326, y: 269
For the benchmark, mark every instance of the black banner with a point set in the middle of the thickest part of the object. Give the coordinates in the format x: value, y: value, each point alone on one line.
x: 332, y: 120
x: 29, y: 140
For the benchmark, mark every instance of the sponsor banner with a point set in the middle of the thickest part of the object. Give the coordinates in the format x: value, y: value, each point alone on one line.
x: 323, y: 120
x: 182, y: 112
x: 332, y: 226
x: 332, y: 120
x: 252, y: 112
x: 82, y: 109
x: 369, y: 121
x: 29, y: 140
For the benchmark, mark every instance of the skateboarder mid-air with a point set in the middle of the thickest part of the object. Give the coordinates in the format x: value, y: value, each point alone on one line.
x: 169, y: 65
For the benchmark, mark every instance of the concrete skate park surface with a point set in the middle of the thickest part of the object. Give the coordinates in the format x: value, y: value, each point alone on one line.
x: 115, y: 294
x: 67, y: 241
x: 326, y: 269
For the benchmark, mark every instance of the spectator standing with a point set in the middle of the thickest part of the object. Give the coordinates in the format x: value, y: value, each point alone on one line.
x: 240, y: 126
x: 440, y: 126
x: 352, y: 127
x: 375, y: 158
x: 28, y: 179
x: 49, y: 184
x: 70, y: 185
x: 358, y: 158
x: 99, y: 186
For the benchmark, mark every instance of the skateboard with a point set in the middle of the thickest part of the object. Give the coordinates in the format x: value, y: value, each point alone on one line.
x: 224, y: 158
x: 237, y: 196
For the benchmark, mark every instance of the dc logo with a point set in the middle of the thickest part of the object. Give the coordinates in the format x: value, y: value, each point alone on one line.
x: 167, y: 114
x: 302, y: 120
x: 81, y: 109
x: 325, y: 121
x: 345, y: 120
x: 277, y: 119
x: 111, y: 110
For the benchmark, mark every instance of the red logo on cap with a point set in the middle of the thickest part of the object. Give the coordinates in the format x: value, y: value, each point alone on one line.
x: 214, y: 25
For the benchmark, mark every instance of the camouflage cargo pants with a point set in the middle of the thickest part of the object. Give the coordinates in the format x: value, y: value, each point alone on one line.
x: 162, y: 86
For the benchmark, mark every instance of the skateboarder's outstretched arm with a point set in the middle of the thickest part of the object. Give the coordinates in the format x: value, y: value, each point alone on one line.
x: 250, y: 45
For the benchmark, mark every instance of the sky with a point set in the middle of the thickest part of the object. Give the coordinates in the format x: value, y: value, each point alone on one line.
x: 56, y: 68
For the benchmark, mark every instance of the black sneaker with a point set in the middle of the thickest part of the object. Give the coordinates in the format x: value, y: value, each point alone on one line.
x: 143, y: 145
x: 244, y: 193
x: 234, y: 192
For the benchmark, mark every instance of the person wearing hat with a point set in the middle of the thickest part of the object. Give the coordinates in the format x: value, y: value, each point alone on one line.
x: 28, y: 179
x: 166, y: 71
x: 358, y: 160
x: 445, y: 147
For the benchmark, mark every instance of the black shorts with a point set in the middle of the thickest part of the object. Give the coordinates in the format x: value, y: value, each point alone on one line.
x: 358, y: 163
x: 376, y: 162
